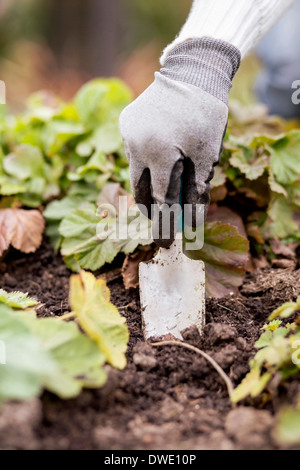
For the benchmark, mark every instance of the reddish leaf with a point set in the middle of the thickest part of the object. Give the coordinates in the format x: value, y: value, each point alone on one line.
x: 130, y: 270
x: 227, y: 216
x: 22, y: 229
x: 225, y: 254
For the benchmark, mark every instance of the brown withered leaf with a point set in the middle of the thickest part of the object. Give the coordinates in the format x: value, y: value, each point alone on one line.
x: 130, y: 269
x: 111, y: 275
x: 23, y: 229
x: 111, y: 193
x: 282, y: 250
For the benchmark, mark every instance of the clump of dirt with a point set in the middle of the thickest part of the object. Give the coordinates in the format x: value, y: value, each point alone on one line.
x: 166, y: 398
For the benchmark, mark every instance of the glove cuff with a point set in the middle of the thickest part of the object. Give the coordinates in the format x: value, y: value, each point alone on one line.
x: 207, y: 63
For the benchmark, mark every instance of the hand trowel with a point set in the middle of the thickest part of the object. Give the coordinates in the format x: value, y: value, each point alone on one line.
x: 172, y: 291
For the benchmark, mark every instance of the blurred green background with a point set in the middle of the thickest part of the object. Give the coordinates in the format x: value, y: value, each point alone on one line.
x: 59, y: 44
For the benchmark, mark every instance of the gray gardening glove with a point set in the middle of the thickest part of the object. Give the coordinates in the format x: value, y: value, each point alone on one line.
x: 173, y: 132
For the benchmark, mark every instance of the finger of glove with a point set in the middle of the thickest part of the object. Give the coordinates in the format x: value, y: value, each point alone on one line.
x: 166, y: 184
x: 140, y: 179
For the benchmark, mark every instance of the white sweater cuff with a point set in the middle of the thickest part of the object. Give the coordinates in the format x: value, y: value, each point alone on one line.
x: 242, y: 23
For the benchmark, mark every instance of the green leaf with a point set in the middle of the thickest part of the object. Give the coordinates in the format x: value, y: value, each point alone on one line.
x: 98, y: 161
x: 105, y: 139
x: 17, y: 300
x: 286, y: 310
x: 58, y: 133
x: 93, y: 241
x: 101, y: 101
x: 253, y: 384
x: 287, y: 429
x: 78, y: 358
x: 252, y: 167
x: 26, y: 162
x: 272, y: 326
x: 281, y: 223
x: 265, y: 340
x: 26, y: 362
x: 72, y: 263
x: 45, y: 353
x: 90, y: 254
x: 80, y: 221
x: 293, y: 193
x: 57, y: 210
x: 278, y: 353
x: 285, y: 158
x: 275, y: 186
x: 101, y: 321
x: 9, y: 186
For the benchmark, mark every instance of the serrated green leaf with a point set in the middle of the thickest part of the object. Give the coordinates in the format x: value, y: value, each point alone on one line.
x: 285, y: 158
x: 275, y: 186
x: 272, y: 326
x: 9, y: 186
x: 17, y: 300
x: 94, y: 254
x: 252, y: 167
x: 293, y: 193
x: 93, y: 241
x: 83, y: 220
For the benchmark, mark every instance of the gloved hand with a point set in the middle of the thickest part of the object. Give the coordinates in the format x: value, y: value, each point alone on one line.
x: 173, y: 131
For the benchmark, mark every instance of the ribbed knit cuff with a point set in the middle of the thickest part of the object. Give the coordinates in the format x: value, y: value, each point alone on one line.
x: 207, y: 63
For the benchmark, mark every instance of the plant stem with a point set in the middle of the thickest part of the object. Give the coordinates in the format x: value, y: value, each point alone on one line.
x: 216, y: 366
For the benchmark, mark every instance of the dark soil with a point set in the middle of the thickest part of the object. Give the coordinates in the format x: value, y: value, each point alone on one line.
x: 166, y: 398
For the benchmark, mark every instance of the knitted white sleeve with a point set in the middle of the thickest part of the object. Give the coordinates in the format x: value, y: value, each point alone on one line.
x: 239, y: 22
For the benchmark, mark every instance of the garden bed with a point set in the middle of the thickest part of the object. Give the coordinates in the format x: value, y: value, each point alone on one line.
x: 166, y: 398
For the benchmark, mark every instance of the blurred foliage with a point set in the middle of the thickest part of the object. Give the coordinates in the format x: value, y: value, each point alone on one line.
x: 58, y: 46
x: 152, y: 19
x: 243, y: 89
x: 52, y: 354
x: 69, y: 156
x: 20, y: 20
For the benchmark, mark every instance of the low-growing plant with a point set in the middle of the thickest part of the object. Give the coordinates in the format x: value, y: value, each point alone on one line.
x: 278, y: 353
x: 276, y: 362
x: 54, y: 354
x: 61, y: 159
